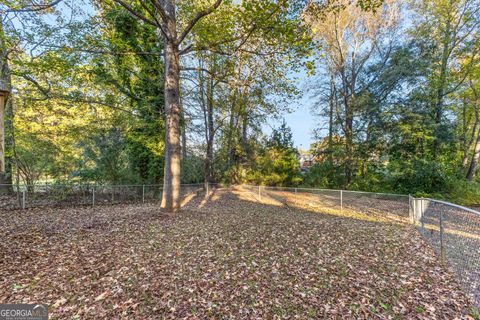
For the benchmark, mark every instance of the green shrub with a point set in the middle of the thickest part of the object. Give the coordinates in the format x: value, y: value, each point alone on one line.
x: 324, y: 175
x: 422, y: 176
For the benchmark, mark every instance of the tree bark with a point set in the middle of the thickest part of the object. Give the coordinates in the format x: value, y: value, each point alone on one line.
x: 9, y: 143
x: 2, y: 142
x: 468, y: 143
x: 472, y: 169
x: 349, y: 143
x: 5, y: 84
x: 171, y: 181
x: 474, y: 162
x: 246, y: 151
x: 210, y: 133
x: 332, y: 101
x: 441, y: 90
x: 231, y: 125
x: 184, y: 132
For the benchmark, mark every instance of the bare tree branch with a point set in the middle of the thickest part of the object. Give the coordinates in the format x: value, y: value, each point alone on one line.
x: 35, y: 7
x: 136, y: 13
x: 161, y: 11
x: 199, y: 16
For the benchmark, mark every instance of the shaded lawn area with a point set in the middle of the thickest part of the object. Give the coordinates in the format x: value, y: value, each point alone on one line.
x: 224, y: 257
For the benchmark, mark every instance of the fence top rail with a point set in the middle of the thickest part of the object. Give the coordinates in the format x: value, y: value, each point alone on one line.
x: 99, y: 185
x: 319, y: 189
x: 293, y: 188
x: 336, y: 190
x: 450, y: 205
x: 380, y: 193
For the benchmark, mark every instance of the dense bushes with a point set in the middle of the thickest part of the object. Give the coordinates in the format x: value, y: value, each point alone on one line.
x: 276, y: 167
x: 419, y: 177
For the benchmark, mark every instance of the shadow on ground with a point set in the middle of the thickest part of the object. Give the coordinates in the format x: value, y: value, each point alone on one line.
x: 226, y: 255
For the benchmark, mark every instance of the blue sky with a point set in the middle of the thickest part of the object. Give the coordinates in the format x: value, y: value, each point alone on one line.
x: 301, y: 121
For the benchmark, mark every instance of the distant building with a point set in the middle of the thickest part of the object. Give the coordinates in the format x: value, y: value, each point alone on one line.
x: 306, y: 161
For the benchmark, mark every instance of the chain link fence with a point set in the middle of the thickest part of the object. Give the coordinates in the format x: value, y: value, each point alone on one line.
x: 454, y: 233
x: 366, y: 202
x: 452, y: 230
x: 56, y: 195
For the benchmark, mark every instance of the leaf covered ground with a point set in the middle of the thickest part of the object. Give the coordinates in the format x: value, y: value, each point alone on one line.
x: 225, y: 256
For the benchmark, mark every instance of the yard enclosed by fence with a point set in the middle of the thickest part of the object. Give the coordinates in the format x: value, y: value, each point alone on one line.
x: 451, y: 230
x: 44, y: 195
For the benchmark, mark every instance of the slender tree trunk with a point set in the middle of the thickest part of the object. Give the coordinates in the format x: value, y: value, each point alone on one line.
x: 171, y: 181
x: 441, y: 90
x: 468, y: 143
x: 210, y: 133
x: 332, y: 101
x: 207, y: 104
x: 472, y: 169
x: 184, y: 143
x: 5, y: 85
x: 231, y: 124
x: 349, y: 144
x: 348, y: 138
x: 348, y: 89
x: 474, y: 162
x: 9, y: 143
x: 184, y: 132
x: 246, y: 151
x: 3, y: 175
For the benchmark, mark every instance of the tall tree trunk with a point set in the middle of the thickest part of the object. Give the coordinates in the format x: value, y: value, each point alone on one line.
x: 468, y: 142
x: 184, y: 142
x: 349, y: 143
x: 474, y: 162
x: 332, y: 101
x: 231, y: 127
x: 210, y: 132
x: 5, y: 85
x: 441, y: 90
x: 3, y: 175
x: 184, y: 132
x: 9, y: 142
x: 472, y: 169
x: 246, y: 151
x: 171, y: 181
x: 348, y: 90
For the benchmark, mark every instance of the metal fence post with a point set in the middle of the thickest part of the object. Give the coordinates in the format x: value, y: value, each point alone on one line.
x: 442, y: 247
x: 206, y: 188
x: 143, y: 194
x: 413, y: 212
x: 24, y: 198
x: 341, y: 200
x: 93, y: 196
x: 410, y: 211
x: 421, y: 214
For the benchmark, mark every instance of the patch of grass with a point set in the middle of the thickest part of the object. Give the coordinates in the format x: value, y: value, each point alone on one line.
x: 419, y: 309
x: 385, y: 306
x: 475, y: 313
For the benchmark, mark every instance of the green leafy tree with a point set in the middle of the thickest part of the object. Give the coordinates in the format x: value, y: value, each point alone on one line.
x: 278, y: 164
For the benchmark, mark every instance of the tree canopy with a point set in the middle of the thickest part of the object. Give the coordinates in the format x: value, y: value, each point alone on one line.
x: 173, y: 92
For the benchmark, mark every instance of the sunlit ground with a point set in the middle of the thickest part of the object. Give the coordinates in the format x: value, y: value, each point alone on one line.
x: 230, y: 254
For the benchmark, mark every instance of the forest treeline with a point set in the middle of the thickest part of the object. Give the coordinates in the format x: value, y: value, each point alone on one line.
x: 93, y: 98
